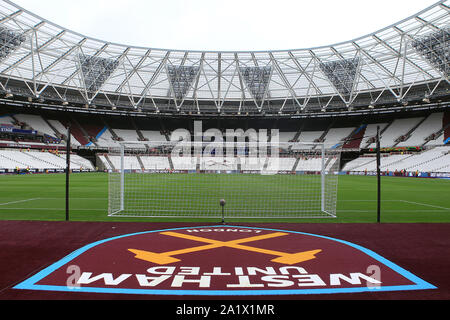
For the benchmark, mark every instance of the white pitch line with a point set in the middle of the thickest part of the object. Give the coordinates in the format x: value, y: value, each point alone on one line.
x: 369, y: 200
x: 424, y: 204
x: 19, y: 201
x: 62, y: 198
x: 387, y: 211
x: 51, y: 209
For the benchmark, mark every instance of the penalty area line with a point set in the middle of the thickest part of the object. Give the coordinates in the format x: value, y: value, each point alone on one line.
x: 51, y: 209
x: 19, y: 201
x: 426, y: 205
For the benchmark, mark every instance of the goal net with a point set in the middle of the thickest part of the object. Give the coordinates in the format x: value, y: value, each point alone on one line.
x: 163, y: 179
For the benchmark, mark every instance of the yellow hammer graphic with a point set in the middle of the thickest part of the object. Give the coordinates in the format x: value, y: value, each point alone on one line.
x: 168, y: 257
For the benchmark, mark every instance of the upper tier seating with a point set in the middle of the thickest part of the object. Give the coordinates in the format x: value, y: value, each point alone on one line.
x: 37, y: 123
x: 432, y: 124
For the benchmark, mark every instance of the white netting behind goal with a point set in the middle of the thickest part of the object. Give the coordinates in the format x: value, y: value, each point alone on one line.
x: 168, y: 180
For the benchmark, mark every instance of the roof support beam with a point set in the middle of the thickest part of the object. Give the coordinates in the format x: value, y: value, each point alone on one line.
x: 32, y: 52
x: 285, y: 81
x: 61, y: 58
x: 133, y: 71
x: 155, y: 75
x: 304, y: 73
x: 444, y: 77
x: 73, y: 75
x: 10, y: 17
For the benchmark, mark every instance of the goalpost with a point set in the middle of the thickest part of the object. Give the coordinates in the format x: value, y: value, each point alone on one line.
x: 185, y: 179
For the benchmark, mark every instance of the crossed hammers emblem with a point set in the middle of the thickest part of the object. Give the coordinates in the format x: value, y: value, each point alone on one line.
x: 169, y: 257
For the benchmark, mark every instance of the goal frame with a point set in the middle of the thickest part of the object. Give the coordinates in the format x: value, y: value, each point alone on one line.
x: 122, y: 150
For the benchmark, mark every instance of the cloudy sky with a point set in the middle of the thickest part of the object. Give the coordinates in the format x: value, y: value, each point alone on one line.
x: 225, y: 25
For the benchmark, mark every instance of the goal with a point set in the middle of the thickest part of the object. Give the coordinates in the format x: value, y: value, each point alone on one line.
x: 166, y: 179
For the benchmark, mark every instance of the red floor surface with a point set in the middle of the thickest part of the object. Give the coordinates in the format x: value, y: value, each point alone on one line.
x: 28, y: 247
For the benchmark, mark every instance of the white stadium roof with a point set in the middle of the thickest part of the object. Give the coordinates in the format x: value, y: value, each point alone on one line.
x: 40, y: 59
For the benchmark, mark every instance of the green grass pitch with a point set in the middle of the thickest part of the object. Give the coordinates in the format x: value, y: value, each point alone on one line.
x: 404, y: 200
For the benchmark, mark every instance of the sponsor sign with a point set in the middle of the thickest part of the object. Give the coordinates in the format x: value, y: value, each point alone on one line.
x: 18, y: 131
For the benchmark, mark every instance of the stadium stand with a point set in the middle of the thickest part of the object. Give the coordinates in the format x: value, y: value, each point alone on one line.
x: 310, y: 136
x: 443, y: 135
x: 7, y: 120
x: 105, y: 139
x: 62, y: 130
x: 371, y: 131
x: 286, y: 137
x: 355, y: 139
x: 395, y: 79
x: 155, y: 163
x: 130, y: 162
x: 77, y: 133
x: 218, y: 164
x: 184, y: 163
x: 400, y: 133
x: 40, y: 161
x: 93, y: 132
x: 286, y: 164
x: 433, y: 160
x: 395, y: 130
x: 36, y: 123
x: 154, y: 136
x: 423, y: 131
x: 127, y: 135
x: 336, y: 137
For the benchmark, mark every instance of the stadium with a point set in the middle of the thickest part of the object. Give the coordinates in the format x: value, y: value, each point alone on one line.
x: 108, y: 149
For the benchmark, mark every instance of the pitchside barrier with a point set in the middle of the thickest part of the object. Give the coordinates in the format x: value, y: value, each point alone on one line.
x: 207, y: 180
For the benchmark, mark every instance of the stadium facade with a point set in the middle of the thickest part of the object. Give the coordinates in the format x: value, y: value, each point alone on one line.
x: 400, y: 65
x: 396, y: 78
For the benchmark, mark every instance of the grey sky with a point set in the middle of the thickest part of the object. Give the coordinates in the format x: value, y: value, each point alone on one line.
x: 226, y: 25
